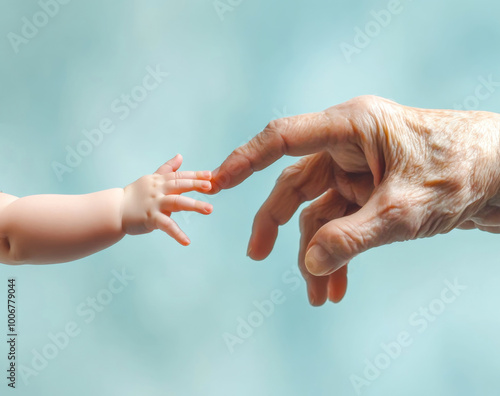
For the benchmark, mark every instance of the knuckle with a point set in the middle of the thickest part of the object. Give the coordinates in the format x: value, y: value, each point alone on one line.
x: 146, y: 182
x: 312, y: 216
x: 171, y: 185
x: 242, y: 151
x: 276, y: 125
x: 146, y: 179
x: 289, y: 173
x: 365, y: 115
x: 274, y: 133
x: 371, y: 108
x: 305, y: 217
x: 366, y: 102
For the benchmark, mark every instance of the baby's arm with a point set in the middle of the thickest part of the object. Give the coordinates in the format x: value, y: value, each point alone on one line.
x: 44, y: 229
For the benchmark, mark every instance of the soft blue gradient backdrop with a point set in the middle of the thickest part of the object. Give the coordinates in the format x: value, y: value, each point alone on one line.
x: 163, y: 335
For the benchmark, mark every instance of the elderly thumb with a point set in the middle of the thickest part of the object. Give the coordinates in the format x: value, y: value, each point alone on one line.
x: 340, y: 240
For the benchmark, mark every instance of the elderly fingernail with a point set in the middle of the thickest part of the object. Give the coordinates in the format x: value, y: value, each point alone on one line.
x: 312, y: 298
x: 317, y: 261
x: 249, y: 248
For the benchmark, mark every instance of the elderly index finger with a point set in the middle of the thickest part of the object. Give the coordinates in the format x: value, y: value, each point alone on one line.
x: 295, y: 136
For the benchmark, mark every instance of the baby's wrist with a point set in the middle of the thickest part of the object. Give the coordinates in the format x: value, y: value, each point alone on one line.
x: 120, y: 193
x: 135, y: 217
x: 118, y: 197
x: 125, y: 210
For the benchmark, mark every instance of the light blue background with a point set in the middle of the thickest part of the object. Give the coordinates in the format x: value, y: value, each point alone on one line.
x: 163, y: 335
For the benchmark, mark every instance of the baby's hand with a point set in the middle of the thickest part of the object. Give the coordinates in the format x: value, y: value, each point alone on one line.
x: 149, y: 201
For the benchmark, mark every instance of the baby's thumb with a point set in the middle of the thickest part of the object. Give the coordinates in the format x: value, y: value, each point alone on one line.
x: 170, y: 166
x: 338, y: 241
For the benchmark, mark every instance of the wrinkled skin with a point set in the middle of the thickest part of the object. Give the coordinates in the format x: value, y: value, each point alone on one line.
x: 377, y: 172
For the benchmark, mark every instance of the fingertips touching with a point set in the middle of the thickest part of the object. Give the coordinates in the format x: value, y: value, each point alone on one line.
x: 215, y: 185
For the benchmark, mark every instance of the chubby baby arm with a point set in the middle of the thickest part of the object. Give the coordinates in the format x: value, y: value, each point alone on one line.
x: 45, y: 229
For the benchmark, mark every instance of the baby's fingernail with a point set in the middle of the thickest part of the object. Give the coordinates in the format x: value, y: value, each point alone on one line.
x: 208, y: 208
x: 317, y: 261
x: 206, y: 184
x: 207, y: 174
x: 249, y: 251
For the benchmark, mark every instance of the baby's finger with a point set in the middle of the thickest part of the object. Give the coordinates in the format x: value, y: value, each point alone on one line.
x: 180, y: 186
x: 199, y: 175
x: 166, y: 224
x: 178, y: 203
x: 170, y: 166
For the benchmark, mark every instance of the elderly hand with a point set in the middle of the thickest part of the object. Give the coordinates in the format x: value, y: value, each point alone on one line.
x: 378, y: 172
